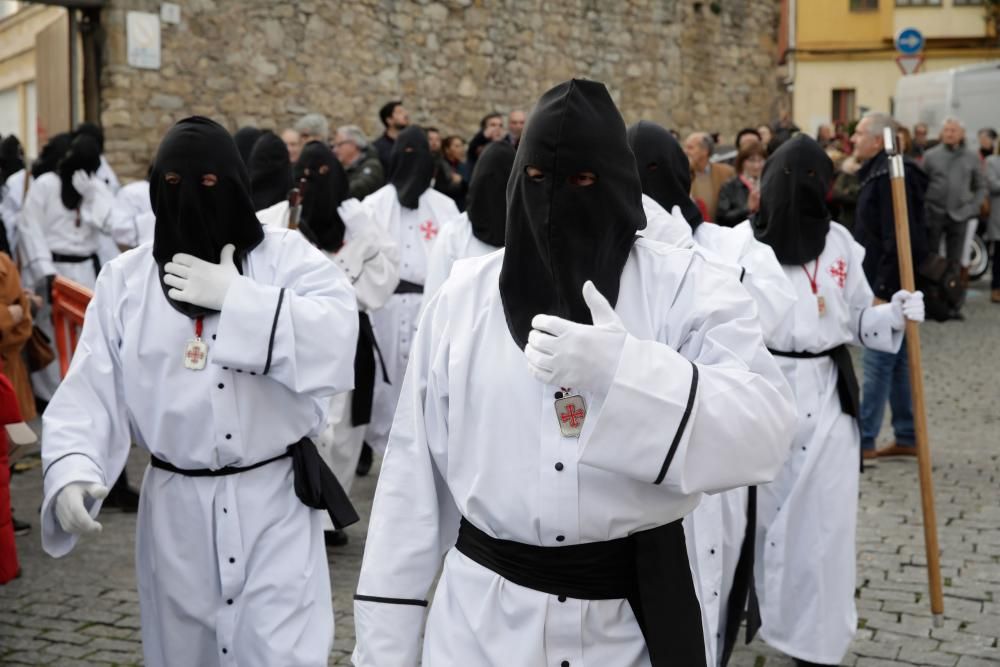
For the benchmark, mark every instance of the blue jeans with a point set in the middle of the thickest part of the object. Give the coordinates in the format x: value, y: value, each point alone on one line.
x: 887, y: 377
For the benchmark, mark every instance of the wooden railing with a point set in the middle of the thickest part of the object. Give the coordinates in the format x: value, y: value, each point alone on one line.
x: 69, y: 303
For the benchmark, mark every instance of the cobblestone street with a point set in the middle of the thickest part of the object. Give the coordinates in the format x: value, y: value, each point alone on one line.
x: 83, y: 609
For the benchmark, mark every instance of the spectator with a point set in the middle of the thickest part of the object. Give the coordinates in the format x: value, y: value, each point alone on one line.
x: 740, y: 195
x: 395, y: 119
x: 360, y: 160
x: 313, y: 127
x: 293, y: 142
x: 844, y: 201
x: 490, y: 129
x: 747, y: 136
x: 765, y: 134
x: 784, y: 128
x: 826, y: 135
x: 955, y: 193
x: 987, y: 142
x: 992, y: 170
x: 886, y: 374
x: 921, y: 141
x: 453, y: 179
x: 515, y: 125
x: 706, y: 177
x: 433, y: 140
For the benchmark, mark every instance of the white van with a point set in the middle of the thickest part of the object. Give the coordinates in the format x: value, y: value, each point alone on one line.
x: 970, y: 93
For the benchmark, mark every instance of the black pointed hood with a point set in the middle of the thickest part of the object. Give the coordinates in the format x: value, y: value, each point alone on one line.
x: 793, y: 218
x: 411, y: 166
x: 52, y: 152
x: 191, y: 216
x: 270, y: 171
x: 83, y: 154
x: 487, y: 198
x: 11, y: 157
x: 664, y: 169
x: 245, y: 138
x: 560, y: 232
x: 93, y: 131
x: 324, y: 186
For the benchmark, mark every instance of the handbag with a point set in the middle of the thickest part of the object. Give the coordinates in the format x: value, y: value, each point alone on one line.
x: 38, y: 350
x: 939, y: 279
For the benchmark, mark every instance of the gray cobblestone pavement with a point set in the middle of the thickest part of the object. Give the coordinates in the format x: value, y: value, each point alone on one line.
x: 83, y: 609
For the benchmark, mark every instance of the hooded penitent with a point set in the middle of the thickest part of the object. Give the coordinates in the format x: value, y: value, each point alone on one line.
x: 270, y: 172
x: 793, y: 218
x: 83, y: 154
x: 487, y: 199
x: 200, y: 194
x: 52, y: 152
x: 664, y: 169
x: 245, y: 138
x: 562, y: 231
x: 93, y: 131
x: 411, y: 166
x: 324, y: 186
x: 11, y: 157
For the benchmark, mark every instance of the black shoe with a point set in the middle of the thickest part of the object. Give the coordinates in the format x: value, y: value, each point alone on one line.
x: 335, y: 538
x: 122, y: 496
x: 365, y: 462
x: 20, y: 527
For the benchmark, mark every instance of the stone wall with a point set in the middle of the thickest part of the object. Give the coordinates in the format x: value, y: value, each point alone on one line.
x: 687, y: 64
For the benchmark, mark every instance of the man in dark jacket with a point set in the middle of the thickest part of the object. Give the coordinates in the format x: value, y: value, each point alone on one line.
x: 887, y: 375
x: 395, y: 119
x: 360, y: 161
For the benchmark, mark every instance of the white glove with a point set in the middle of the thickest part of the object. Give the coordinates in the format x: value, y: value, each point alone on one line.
x: 199, y: 282
x: 84, y: 183
x: 909, y: 305
x: 353, y: 214
x: 71, y: 512
x: 578, y: 356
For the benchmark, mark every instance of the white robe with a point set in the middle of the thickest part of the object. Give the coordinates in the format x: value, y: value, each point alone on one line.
x: 369, y: 259
x: 232, y: 570
x: 415, y: 232
x: 715, y: 529
x: 133, y: 221
x: 476, y: 435
x: 806, y: 517
x: 11, y: 199
x: 456, y: 241
x: 30, y: 250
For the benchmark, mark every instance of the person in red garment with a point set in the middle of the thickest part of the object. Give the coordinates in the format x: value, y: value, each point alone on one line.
x: 20, y: 434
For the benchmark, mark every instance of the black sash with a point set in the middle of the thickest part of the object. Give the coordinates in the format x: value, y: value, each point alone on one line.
x: 406, y: 287
x: 650, y: 569
x: 78, y: 259
x: 364, y: 372
x: 847, y: 380
x: 315, y: 485
x: 743, y: 595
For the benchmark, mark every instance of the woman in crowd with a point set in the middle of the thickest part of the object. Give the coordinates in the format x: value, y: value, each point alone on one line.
x: 740, y: 195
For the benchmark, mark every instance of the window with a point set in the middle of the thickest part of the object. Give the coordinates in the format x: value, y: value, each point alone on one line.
x: 843, y: 109
x: 864, y: 5
x: 968, y: 3
x: 920, y: 3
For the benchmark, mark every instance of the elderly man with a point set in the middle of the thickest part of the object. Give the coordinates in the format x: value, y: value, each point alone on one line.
x: 293, y: 141
x: 360, y: 161
x: 955, y: 193
x: 313, y: 127
x: 515, y: 125
x: 706, y: 177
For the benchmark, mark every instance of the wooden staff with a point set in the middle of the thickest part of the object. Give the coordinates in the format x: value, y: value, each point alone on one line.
x: 906, y: 280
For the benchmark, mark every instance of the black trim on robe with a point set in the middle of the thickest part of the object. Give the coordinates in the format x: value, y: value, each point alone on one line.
x: 375, y: 598
x: 681, y: 426
x: 274, y: 329
x: 743, y: 594
x: 49, y: 467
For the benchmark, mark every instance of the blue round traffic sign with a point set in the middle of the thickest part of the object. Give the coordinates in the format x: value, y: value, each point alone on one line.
x: 909, y: 41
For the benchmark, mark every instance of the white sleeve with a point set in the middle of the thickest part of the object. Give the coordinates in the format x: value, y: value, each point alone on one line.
x: 33, y: 249
x: 96, y: 209
x: 871, y: 325
x: 370, y: 258
x: 718, y: 397
x: 85, y: 429
x: 125, y: 219
x: 767, y: 283
x: 439, y: 263
x: 301, y: 331
x: 414, y: 519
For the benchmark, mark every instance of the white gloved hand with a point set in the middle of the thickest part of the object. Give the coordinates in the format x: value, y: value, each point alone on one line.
x: 578, y: 356
x: 909, y: 305
x: 84, y: 183
x: 199, y: 282
x: 353, y: 214
x: 71, y: 512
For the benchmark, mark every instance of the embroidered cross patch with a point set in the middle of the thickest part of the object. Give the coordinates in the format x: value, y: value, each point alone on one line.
x: 429, y: 230
x: 839, y: 272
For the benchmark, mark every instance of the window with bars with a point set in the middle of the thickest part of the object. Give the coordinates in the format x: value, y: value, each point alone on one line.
x: 843, y: 109
x: 864, y: 5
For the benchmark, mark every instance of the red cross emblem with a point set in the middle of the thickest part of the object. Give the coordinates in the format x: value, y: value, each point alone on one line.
x: 195, y: 355
x: 839, y: 272
x: 573, y: 416
x: 429, y: 230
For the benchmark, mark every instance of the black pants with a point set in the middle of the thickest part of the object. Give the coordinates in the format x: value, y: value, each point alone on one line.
x: 995, y: 283
x: 952, y: 232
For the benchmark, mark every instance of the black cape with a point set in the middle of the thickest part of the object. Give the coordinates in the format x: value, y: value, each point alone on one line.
x: 487, y: 200
x: 324, y: 186
x: 270, y: 171
x: 83, y: 154
x: 664, y: 169
x: 411, y: 166
x: 561, y: 234
x: 194, y: 218
x: 793, y: 218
